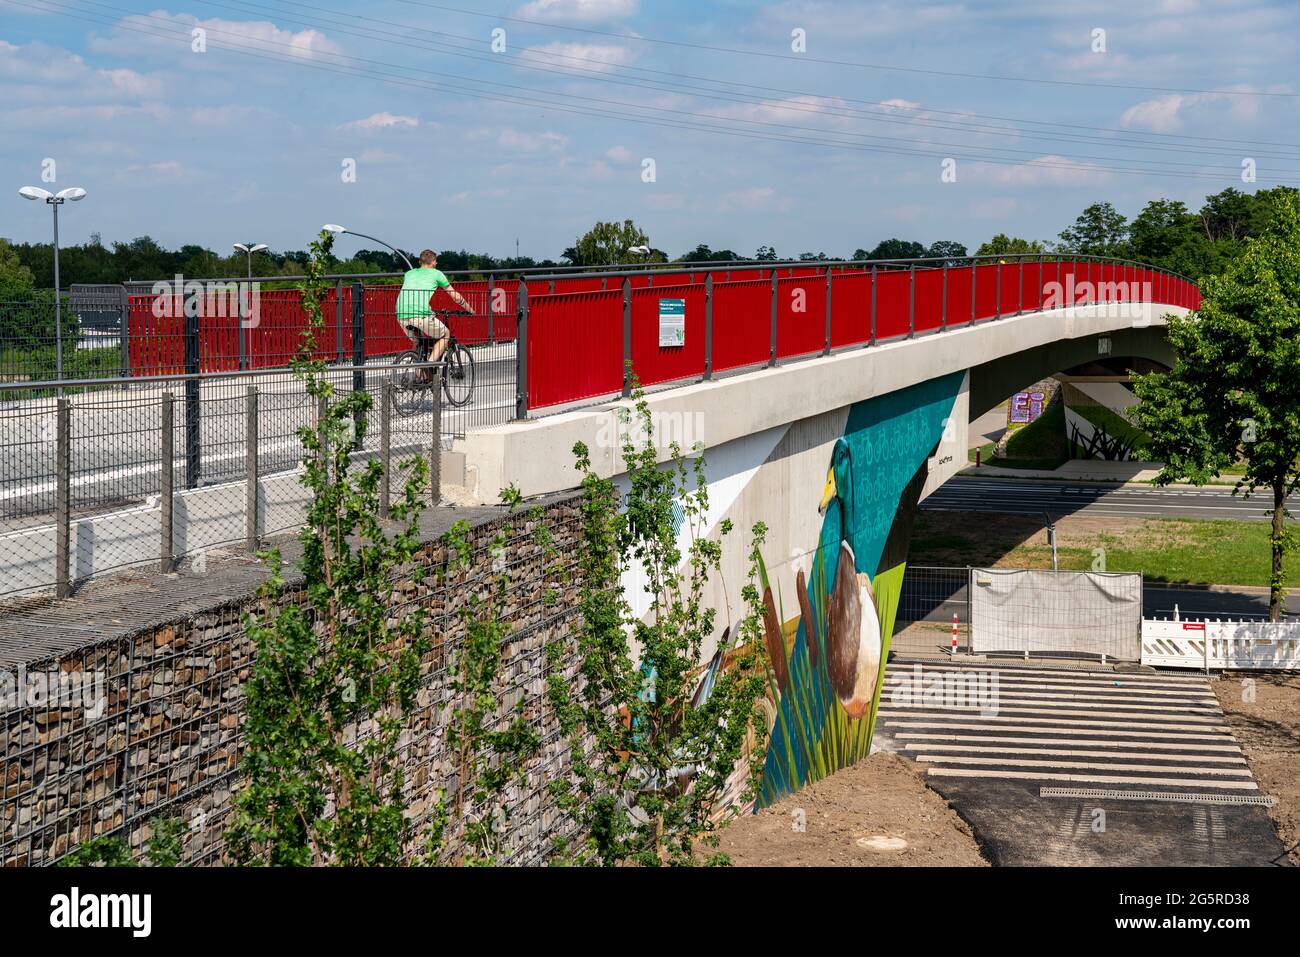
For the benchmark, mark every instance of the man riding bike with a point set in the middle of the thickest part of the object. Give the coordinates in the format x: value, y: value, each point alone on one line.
x: 414, y: 306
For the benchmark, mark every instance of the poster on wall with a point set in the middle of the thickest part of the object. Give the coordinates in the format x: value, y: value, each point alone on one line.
x: 672, y: 322
x: 1024, y: 408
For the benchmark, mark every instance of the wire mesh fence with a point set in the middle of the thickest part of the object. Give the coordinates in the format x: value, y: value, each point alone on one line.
x: 104, y: 478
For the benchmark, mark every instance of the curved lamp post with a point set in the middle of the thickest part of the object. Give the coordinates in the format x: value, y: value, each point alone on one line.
x: 249, y: 249
x: 339, y: 230
x: 54, y: 201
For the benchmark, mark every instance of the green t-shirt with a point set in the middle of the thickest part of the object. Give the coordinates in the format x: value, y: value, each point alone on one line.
x: 417, y: 286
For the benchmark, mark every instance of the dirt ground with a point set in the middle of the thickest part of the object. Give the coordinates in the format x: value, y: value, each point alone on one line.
x: 1268, y: 730
x: 877, y: 813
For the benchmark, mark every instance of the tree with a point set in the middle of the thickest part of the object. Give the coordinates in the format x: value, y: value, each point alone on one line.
x: 14, y: 276
x: 1233, y: 395
x: 607, y: 244
x: 702, y: 253
x: 946, y: 249
x: 765, y: 254
x: 892, y: 249
x: 1100, y: 230
x: 655, y: 740
x: 334, y: 674
x: 1002, y: 244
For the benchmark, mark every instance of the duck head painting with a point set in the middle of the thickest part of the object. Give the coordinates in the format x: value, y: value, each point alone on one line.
x: 829, y: 640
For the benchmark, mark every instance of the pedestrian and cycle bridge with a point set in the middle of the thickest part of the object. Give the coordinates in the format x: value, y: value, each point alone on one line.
x: 186, y: 439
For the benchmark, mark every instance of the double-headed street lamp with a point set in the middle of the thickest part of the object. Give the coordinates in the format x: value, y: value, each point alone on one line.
x: 55, y: 200
x: 249, y: 249
x: 339, y: 230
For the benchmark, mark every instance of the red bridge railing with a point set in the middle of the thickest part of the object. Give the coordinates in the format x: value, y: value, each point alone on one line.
x: 577, y: 333
x: 576, y: 345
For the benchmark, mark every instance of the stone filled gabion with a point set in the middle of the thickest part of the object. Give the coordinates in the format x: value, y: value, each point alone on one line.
x: 166, y: 737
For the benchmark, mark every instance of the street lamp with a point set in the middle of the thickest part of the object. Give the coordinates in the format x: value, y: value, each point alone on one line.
x: 339, y: 230
x: 70, y: 195
x: 250, y: 248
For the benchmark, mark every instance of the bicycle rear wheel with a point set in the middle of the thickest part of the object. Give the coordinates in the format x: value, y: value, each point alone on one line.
x: 458, y: 376
x: 408, y: 391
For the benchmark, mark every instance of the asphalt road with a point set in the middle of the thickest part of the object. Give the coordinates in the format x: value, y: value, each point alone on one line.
x: 117, y: 435
x: 1058, y: 499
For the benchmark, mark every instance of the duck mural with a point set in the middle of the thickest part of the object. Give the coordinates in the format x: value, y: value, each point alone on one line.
x: 827, y: 658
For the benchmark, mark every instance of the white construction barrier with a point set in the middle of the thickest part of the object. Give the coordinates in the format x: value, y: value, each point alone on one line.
x: 1260, y: 645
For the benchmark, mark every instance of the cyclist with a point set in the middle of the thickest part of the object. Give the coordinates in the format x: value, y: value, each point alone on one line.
x: 414, y: 306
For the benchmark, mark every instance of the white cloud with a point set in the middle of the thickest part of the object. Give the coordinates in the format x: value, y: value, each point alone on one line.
x: 160, y: 31
x: 754, y: 199
x: 512, y: 139
x: 619, y: 154
x: 586, y: 57
x: 578, y: 11
x: 1041, y: 171
x: 382, y: 121
x: 1166, y: 113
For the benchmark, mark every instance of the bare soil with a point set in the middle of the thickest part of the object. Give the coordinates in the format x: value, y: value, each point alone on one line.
x: 877, y: 813
x: 1268, y: 730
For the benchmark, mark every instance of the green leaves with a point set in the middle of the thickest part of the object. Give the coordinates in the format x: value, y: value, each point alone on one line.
x: 334, y: 672
x: 1232, y: 400
x: 654, y: 746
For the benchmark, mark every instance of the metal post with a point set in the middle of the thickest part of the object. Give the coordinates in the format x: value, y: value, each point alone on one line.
x: 826, y: 350
x: 627, y: 336
x: 521, y: 351
x: 250, y: 466
x: 943, y: 309
x: 911, y: 302
x: 1041, y: 293
x: 873, y: 305
x: 124, y: 329
x: 167, y: 475
x: 358, y: 346
x: 708, y: 326
x: 63, y: 502
x: 193, y: 452
x: 339, y: 352
x: 492, y: 312
x: 385, y: 447
x: 1020, y: 287
x: 974, y: 274
x: 997, y: 292
x: 771, y: 349
x: 58, y: 301
x: 435, y: 452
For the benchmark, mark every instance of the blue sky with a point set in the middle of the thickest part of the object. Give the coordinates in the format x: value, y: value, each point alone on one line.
x: 456, y: 145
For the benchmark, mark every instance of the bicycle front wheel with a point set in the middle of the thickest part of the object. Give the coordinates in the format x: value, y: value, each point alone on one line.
x: 408, y: 391
x: 458, y: 376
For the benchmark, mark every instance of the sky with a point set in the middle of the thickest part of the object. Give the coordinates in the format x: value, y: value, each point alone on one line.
x: 803, y: 125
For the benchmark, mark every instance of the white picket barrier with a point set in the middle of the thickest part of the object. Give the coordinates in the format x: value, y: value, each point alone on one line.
x: 1261, y: 645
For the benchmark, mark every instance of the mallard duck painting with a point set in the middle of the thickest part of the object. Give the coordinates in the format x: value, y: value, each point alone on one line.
x: 853, y: 634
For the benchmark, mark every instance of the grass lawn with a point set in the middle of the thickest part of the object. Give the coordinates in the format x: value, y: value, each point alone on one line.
x: 1039, y: 445
x: 1179, y: 550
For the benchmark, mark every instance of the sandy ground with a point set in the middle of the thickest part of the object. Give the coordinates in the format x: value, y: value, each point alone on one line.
x: 877, y: 813
x: 1268, y: 730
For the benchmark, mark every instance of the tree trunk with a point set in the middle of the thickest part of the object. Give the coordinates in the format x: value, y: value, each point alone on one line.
x: 1277, y: 593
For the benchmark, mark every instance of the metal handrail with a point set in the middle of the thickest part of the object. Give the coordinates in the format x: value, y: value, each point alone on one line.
x: 111, y: 381
x: 619, y: 269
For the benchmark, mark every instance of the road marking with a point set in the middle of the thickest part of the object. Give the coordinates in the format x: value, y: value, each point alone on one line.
x: 1161, y: 722
x: 1104, y: 779
x: 928, y: 747
x: 1081, y: 765
x: 932, y: 739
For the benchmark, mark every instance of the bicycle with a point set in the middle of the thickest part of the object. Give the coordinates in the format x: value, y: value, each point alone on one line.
x: 457, y: 365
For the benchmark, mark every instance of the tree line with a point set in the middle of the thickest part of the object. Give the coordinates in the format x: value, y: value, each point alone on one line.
x: 1165, y: 233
